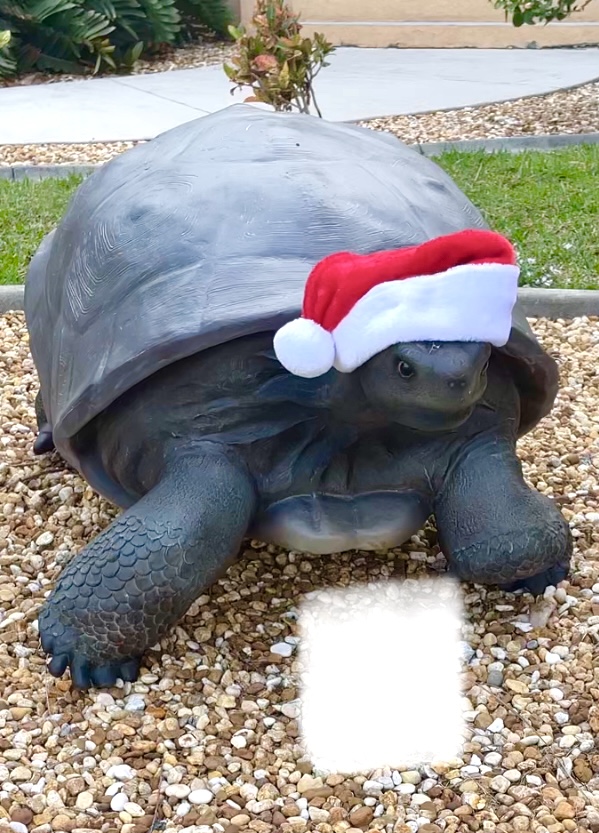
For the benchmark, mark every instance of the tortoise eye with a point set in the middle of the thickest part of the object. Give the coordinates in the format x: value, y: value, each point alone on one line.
x: 405, y: 370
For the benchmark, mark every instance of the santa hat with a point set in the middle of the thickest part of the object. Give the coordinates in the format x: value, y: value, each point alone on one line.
x: 459, y: 287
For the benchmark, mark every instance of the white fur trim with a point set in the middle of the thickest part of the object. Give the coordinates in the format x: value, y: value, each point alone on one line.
x: 305, y: 348
x: 472, y: 302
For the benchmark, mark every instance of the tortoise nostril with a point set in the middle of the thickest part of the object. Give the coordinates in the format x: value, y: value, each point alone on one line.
x: 457, y: 384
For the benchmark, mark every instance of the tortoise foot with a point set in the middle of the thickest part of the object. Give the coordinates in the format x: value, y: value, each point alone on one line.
x: 68, y: 649
x: 129, y: 586
x: 537, y: 584
x: 44, y: 442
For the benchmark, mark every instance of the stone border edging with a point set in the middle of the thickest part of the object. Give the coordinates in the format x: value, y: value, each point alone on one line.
x: 37, y: 172
x: 11, y: 298
x: 558, y: 303
x: 513, y: 144
x: 537, y: 303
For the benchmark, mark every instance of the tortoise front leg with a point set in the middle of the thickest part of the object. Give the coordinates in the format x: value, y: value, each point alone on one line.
x: 493, y: 529
x: 131, y: 584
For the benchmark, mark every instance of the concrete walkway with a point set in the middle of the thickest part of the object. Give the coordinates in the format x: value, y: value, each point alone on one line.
x: 359, y: 83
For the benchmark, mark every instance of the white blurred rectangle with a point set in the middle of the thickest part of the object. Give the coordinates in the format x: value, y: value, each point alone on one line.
x: 381, y: 680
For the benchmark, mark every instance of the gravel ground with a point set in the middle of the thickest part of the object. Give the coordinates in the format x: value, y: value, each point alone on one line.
x: 208, y: 739
x: 208, y: 51
x: 568, y: 111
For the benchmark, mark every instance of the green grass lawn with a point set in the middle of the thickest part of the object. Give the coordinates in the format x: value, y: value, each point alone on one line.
x: 28, y: 210
x: 546, y: 203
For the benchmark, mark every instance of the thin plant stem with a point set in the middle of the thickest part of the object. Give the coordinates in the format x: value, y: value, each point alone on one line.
x: 314, y: 102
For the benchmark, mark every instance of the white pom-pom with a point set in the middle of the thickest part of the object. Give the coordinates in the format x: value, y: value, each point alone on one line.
x: 305, y: 348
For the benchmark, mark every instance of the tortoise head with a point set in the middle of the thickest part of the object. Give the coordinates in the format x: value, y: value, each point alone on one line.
x: 429, y: 386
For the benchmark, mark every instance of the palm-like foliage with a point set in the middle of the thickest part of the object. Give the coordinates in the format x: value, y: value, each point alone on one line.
x: 76, y: 35
x: 210, y: 14
x: 8, y: 65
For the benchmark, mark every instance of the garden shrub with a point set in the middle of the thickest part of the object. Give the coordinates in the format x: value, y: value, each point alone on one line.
x: 530, y: 12
x: 76, y: 36
x: 275, y: 60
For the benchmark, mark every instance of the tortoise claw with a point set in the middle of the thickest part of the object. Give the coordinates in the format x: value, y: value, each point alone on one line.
x: 536, y: 585
x: 84, y: 675
x: 61, y: 644
x: 44, y: 442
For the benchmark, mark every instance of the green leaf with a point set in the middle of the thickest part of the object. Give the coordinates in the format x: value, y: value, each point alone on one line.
x: 532, y: 12
x: 284, y: 76
x: 8, y: 63
x: 230, y: 72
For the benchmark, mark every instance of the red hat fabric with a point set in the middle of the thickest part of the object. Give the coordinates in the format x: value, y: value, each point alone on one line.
x: 458, y: 287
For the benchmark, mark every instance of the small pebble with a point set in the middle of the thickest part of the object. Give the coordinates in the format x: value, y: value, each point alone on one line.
x: 134, y: 810
x: 467, y: 650
x: 283, y: 649
x: 122, y: 772
x: 200, y: 797
x: 84, y: 801
x: 495, y: 675
x: 291, y: 709
x: 500, y: 784
x: 552, y: 658
x: 118, y: 801
x: 179, y: 791
x: 135, y: 703
x: 182, y: 809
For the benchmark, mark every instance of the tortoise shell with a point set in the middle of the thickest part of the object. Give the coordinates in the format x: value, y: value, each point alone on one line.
x: 208, y: 233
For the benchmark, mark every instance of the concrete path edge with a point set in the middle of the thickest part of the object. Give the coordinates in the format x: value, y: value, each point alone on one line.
x: 537, y: 303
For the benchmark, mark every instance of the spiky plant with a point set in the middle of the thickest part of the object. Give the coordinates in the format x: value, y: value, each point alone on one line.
x: 82, y: 35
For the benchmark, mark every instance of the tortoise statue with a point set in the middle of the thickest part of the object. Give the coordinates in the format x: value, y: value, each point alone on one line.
x: 247, y: 327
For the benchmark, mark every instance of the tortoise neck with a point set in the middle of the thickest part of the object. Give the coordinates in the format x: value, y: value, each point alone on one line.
x: 348, y: 403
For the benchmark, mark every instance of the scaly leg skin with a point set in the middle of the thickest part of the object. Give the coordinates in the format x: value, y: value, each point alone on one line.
x: 44, y: 443
x: 493, y: 529
x: 131, y: 584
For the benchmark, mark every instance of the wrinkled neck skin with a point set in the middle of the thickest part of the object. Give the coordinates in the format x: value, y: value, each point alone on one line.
x: 348, y: 403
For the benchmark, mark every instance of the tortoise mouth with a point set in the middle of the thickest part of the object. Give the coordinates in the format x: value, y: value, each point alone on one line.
x: 442, y: 416
x: 431, y: 421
